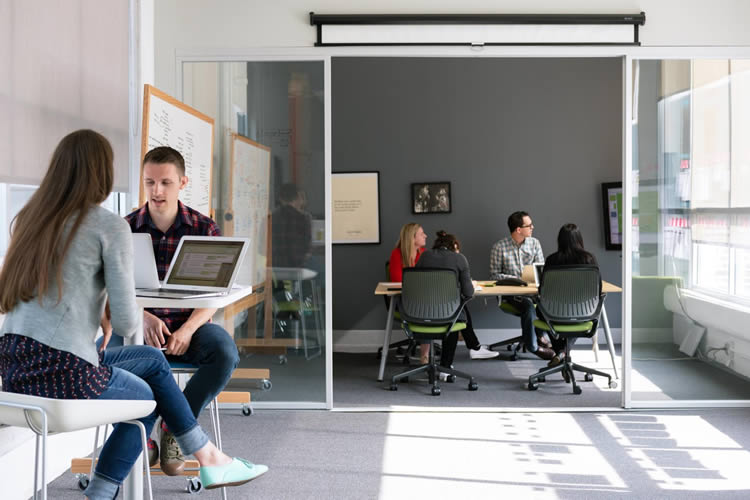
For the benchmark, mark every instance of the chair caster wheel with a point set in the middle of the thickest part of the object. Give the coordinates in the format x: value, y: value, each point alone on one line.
x: 266, y: 385
x: 577, y: 390
x: 83, y: 481
x: 513, y: 357
x: 532, y: 386
x: 451, y: 379
x: 194, y: 485
x: 612, y: 384
x: 246, y: 410
x: 588, y: 377
x: 509, y: 347
x: 394, y: 387
x: 436, y: 391
x: 282, y: 359
x: 473, y: 386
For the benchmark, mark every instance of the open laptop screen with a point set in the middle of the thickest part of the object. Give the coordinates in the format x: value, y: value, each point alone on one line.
x: 205, y: 263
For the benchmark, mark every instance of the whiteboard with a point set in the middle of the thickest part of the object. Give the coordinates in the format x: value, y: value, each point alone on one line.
x: 169, y: 122
x: 249, y: 181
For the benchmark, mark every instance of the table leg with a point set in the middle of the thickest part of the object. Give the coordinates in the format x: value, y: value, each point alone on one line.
x: 610, y: 344
x: 132, y: 486
x: 387, y: 337
x: 595, y: 346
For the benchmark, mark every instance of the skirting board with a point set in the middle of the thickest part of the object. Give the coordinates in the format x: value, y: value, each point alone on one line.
x: 356, y: 341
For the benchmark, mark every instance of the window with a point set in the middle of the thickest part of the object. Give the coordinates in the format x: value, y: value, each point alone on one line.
x: 14, y: 196
x: 702, y: 163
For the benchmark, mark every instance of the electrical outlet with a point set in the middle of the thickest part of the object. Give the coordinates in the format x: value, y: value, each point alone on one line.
x: 729, y: 347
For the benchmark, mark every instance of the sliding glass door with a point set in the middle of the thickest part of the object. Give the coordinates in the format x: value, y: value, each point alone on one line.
x: 269, y: 184
x: 690, y: 232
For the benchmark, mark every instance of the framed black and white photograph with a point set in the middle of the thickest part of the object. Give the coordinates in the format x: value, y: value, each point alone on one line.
x: 431, y: 197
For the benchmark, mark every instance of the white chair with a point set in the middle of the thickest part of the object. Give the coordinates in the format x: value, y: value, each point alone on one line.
x: 45, y: 416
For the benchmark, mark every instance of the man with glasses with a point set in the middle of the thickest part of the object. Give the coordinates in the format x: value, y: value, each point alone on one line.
x: 507, y: 259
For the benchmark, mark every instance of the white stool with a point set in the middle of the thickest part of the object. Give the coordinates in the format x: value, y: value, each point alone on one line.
x: 45, y: 416
x: 299, y: 275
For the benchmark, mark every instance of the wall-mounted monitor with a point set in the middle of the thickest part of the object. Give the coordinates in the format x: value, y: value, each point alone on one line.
x: 613, y: 211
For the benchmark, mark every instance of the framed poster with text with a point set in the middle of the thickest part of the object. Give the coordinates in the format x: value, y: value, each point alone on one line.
x: 355, y: 207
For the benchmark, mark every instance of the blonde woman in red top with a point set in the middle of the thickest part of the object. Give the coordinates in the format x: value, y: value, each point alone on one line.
x: 409, y: 248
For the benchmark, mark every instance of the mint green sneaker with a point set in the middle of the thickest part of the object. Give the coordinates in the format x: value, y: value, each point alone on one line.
x: 237, y: 472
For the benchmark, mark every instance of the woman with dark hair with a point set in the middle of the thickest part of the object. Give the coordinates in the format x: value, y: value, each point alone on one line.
x: 67, y: 254
x: 569, y: 251
x: 446, y: 254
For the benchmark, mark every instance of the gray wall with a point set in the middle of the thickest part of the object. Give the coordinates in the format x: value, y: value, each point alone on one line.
x: 539, y: 135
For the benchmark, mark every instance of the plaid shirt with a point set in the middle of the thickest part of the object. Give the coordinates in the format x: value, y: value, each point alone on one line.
x: 291, y: 237
x: 507, y: 258
x: 188, y: 223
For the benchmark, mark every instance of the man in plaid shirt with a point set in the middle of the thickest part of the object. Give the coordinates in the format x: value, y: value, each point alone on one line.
x: 507, y: 259
x: 187, y: 334
x: 292, y: 229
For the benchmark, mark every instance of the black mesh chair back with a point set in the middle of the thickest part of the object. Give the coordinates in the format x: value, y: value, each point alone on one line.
x: 430, y: 305
x: 430, y: 296
x: 570, y: 294
x: 570, y: 302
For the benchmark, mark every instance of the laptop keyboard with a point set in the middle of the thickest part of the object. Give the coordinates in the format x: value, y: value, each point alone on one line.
x: 171, y: 291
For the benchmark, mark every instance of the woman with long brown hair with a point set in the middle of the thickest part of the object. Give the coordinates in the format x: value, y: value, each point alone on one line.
x: 66, y: 255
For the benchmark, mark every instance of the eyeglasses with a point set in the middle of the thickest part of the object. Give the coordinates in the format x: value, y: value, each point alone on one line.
x: 527, y: 225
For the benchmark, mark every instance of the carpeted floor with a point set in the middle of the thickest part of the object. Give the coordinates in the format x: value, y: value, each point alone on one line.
x: 501, y: 384
x: 697, y: 454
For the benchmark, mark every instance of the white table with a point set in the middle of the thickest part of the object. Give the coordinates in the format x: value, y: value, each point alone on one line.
x: 132, y: 487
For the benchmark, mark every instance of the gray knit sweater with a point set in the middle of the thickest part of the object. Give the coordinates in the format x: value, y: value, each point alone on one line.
x: 99, y: 262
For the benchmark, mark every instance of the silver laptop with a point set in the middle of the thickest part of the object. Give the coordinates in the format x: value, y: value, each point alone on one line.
x: 202, y: 266
x: 538, y: 270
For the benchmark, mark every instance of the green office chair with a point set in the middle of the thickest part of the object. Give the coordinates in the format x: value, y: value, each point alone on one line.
x: 570, y: 302
x: 516, y: 343
x: 430, y: 305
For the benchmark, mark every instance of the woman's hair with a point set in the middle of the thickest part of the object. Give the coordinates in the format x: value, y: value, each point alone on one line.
x: 570, y: 244
x: 406, y: 244
x: 447, y: 241
x: 80, y: 175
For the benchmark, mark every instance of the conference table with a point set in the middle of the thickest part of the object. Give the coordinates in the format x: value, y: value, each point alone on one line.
x: 489, y: 289
x: 133, y: 485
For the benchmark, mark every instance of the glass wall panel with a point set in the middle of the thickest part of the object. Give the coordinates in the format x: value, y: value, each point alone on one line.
x: 691, y: 230
x: 269, y: 185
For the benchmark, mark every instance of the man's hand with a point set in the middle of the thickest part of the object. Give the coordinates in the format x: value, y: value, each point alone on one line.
x: 155, y: 330
x: 179, y: 341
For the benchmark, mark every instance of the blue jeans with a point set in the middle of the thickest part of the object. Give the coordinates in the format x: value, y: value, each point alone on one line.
x: 141, y: 373
x: 215, y: 354
x: 526, y: 306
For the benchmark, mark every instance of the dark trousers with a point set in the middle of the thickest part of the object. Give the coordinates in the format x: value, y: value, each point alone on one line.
x: 449, y: 344
x: 526, y: 306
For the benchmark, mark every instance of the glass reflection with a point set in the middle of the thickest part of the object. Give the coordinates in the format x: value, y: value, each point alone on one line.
x: 270, y: 118
x: 691, y: 230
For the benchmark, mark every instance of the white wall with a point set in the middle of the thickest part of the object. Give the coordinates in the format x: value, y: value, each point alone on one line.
x: 245, y: 24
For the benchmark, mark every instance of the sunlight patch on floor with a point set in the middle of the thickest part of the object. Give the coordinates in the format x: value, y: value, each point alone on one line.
x: 522, y: 454
x: 681, y: 452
